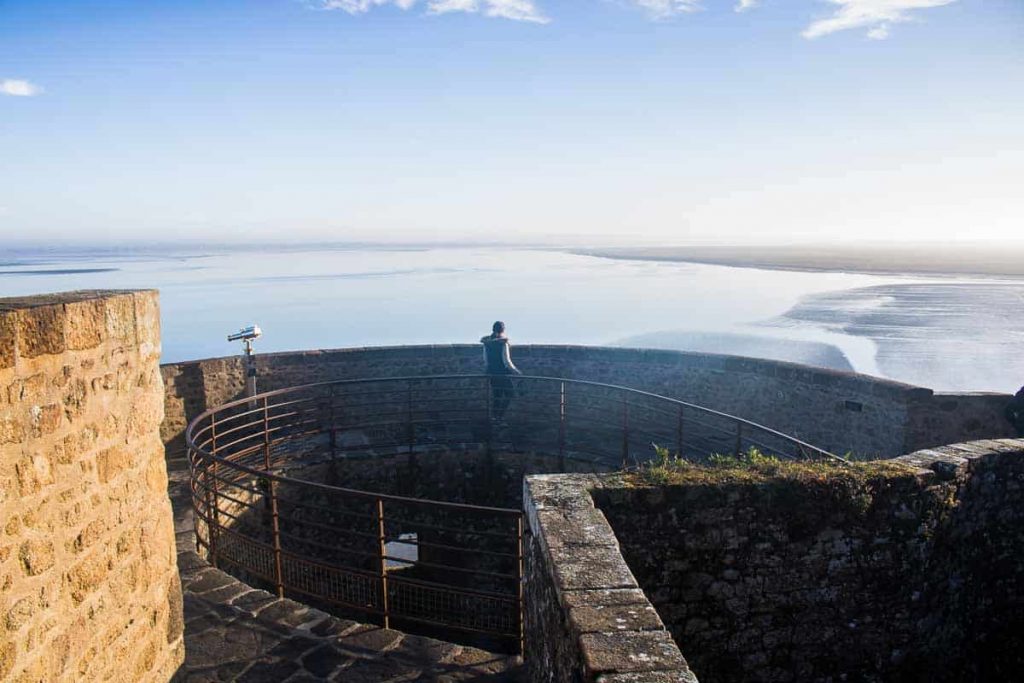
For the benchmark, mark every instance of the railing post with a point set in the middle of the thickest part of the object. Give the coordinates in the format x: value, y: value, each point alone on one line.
x: 679, y: 433
x: 214, y: 505
x: 275, y: 520
x: 625, y: 432
x: 193, y: 480
x: 382, y: 553
x: 211, y: 543
x: 490, y: 414
x: 739, y: 438
x: 561, y: 429
x: 520, y: 573
x: 410, y: 432
x: 266, y: 434
x: 276, y: 530
x: 334, y: 432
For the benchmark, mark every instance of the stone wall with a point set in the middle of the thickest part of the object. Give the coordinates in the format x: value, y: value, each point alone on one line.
x: 912, y: 573
x: 940, y: 419
x: 89, y: 588
x: 841, y: 412
x: 586, y: 618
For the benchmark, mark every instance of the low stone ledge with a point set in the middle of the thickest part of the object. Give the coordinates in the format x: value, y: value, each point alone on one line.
x: 954, y: 460
x: 587, y: 620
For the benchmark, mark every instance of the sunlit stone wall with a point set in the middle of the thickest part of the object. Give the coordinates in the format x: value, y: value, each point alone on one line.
x: 89, y: 589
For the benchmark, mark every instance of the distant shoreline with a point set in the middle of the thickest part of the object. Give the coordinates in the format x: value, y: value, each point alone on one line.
x: 989, y: 262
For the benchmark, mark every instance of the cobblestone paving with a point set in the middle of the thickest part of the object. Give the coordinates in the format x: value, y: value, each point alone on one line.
x: 234, y: 632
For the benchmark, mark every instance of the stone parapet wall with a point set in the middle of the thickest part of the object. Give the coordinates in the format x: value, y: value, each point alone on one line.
x: 89, y: 588
x: 908, y: 571
x: 914, y: 573
x: 586, y: 618
x: 941, y: 419
x: 841, y: 412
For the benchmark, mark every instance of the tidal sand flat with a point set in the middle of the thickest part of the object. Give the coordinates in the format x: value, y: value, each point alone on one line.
x: 819, y: 354
x: 1005, y: 261
x: 946, y: 335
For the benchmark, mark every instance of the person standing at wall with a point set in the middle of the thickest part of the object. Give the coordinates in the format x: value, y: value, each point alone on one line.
x: 499, y: 365
x: 1015, y: 412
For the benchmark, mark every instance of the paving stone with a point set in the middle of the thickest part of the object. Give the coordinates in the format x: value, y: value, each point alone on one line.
x: 368, y: 641
x: 269, y: 672
x: 323, y: 661
x: 377, y: 671
x: 425, y: 649
x: 303, y: 677
x: 333, y: 627
x: 253, y: 601
x: 225, y: 594
x: 285, y: 612
x: 208, y: 581
x: 294, y: 647
x: 214, y: 674
x: 188, y: 560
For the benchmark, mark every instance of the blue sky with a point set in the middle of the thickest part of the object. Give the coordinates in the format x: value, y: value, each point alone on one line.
x: 587, y: 121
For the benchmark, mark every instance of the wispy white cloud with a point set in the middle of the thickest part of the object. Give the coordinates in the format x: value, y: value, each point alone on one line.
x: 516, y: 10
x: 446, y: 6
x: 364, y: 6
x: 880, y: 32
x: 663, y: 9
x: 19, y: 88
x: 519, y: 10
x: 874, y: 15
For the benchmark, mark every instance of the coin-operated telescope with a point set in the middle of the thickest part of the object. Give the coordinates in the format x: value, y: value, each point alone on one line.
x: 247, y: 335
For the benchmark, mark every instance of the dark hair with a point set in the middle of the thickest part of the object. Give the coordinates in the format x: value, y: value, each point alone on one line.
x: 498, y: 327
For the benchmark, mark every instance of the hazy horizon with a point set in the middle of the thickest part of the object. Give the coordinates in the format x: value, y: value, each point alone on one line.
x: 324, y: 298
x: 551, y: 242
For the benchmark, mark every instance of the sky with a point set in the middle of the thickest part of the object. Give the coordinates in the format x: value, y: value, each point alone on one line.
x: 585, y: 121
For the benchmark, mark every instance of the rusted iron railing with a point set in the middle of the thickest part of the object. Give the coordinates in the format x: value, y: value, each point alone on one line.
x: 264, y: 512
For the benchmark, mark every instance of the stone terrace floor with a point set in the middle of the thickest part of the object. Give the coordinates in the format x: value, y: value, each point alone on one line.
x: 236, y: 633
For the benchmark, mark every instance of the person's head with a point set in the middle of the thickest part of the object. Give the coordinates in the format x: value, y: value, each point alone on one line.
x: 498, y: 327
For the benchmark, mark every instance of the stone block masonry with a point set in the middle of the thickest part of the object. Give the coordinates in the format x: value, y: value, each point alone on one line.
x: 89, y: 588
x: 586, y: 619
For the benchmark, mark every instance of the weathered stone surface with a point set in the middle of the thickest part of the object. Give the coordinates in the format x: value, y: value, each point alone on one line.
x: 614, y: 618
x: 87, y: 323
x: 41, y: 331
x: 807, y: 580
x: 626, y: 652
x: 649, y: 677
x: 585, y: 615
x: 908, y: 573
x: 88, y: 585
x: 8, y: 335
x: 589, y: 568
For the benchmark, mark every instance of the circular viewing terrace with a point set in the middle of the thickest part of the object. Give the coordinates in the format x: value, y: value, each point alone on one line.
x: 398, y: 500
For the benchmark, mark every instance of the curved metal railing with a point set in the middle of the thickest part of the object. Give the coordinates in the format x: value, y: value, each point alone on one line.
x: 270, y: 508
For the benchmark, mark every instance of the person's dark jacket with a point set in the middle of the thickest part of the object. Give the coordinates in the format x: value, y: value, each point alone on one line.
x: 497, y: 357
